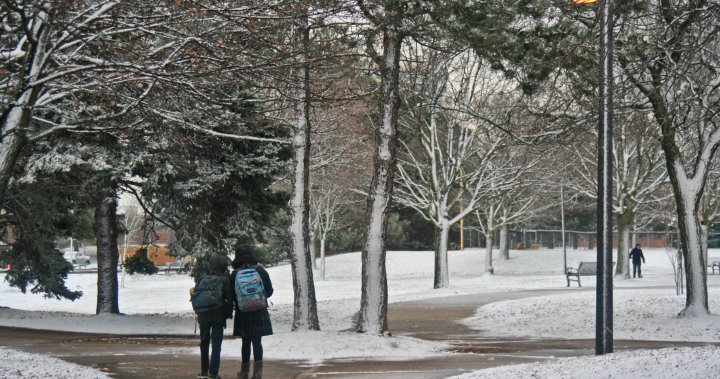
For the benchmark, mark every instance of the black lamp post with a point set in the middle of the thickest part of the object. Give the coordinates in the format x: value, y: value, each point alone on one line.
x: 604, y: 288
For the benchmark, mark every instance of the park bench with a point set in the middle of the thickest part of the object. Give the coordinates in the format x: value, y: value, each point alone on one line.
x: 172, y: 266
x: 583, y: 269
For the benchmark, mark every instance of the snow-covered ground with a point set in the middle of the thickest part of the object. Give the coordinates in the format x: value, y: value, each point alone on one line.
x: 159, y: 304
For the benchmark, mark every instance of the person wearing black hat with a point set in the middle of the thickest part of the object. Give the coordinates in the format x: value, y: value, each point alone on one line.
x: 251, y: 326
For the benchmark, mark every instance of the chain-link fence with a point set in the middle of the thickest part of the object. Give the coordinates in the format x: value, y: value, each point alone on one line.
x: 549, y: 239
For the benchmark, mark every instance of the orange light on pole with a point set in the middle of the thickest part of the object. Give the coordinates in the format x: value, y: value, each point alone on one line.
x: 585, y: 1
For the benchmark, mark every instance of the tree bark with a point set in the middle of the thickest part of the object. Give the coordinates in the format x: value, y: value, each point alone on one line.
x: 489, y: 253
x: 107, y: 250
x: 504, y: 241
x: 11, y: 144
x: 322, y: 256
x: 625, y: 222
x: 19, y: 114
x: 374, y: 297
x: 305, y: 305
x: 313, y: 249
x: 687, y: 203
x: 442, y: 275
x: 490, y: 232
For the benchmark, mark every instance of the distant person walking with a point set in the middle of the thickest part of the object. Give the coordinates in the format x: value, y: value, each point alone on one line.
x: 636, y: 254
x: 212, y: 301
x: 252, y: 319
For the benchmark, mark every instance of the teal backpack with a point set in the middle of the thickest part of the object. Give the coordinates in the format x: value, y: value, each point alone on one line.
x: 249, y: 290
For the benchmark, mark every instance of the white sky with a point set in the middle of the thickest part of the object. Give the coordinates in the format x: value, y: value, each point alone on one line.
x: 159, y: 304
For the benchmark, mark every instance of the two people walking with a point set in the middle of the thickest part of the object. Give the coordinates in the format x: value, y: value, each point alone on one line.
x: 214, y: 298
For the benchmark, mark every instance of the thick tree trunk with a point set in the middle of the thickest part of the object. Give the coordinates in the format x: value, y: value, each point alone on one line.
x: 624, y: 223
x: 442, y: 275
x: 10, y: 146
x: 305, y: 305
x: 18, y: 115
x: 687, y: 203
x: 107, y: 251
x: 374, y: 297
x: 696, y: 301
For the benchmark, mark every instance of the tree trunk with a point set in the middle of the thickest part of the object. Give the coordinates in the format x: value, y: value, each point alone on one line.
x: 624, y: 223
x: 374, y: 297
x: 489, y: 236
x: 305, y: 306
x: 322, y: 256
x: 10, y: 146
x: 504, y: 242
x: 687, y: 203
x: 107, y: 251
x: 442, y: 276
x: 696, y: 301
x: 704, y: 236
x: 489, y: 255
x: 313, y: 249
x: 488, y: 251
x: 19, y: 113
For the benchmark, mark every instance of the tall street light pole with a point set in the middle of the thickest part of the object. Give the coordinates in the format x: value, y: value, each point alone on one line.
x: 562, y: 226
x: 604, y: 288
x: 604, y: 317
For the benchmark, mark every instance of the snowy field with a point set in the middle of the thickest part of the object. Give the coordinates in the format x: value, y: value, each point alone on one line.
x: 644, y: 309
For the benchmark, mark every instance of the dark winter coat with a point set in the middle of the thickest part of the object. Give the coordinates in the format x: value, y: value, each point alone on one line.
x: 218, y: 266
x: 254, y: 323
x: 218, y: 316
x: 636, y: 255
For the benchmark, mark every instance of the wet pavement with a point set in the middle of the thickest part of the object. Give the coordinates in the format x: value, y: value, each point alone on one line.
x: 434, y: 319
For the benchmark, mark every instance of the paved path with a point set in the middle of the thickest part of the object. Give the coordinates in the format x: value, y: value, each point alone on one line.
x: 427, y: 319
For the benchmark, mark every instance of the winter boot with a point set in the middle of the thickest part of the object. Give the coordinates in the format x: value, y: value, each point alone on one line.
x: 257, y: 370
x: 244, y: 372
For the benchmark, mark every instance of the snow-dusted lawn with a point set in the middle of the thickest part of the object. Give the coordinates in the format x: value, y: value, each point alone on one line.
x: 686, y: 363
x: 17, y: 364
x: 159, y: 304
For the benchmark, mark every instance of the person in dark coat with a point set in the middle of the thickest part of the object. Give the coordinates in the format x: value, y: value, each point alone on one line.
x: 251, y: 326
x: 212, y: 323
x: 636, y: 254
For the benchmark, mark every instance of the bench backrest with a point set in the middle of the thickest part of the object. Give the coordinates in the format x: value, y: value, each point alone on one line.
x: 587, y: 268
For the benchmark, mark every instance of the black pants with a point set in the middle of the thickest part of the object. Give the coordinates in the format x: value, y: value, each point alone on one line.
x: 210, y: 333
x: 257, y: 349
x: 637, y: 270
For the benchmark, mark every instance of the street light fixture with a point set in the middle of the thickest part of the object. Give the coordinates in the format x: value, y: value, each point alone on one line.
x: 604, y: 295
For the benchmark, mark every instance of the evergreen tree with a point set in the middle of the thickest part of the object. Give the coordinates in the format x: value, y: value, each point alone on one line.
x: 212, y: 190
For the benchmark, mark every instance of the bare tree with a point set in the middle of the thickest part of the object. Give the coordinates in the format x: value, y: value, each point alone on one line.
x: 455, y: 166
x: 638, y: 175
x: 670, y: 52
